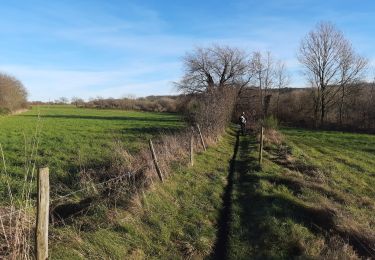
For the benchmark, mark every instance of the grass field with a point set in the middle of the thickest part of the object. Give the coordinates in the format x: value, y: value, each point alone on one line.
x: 313, y: 197
x: 174, y: 220
x: 71, y: 139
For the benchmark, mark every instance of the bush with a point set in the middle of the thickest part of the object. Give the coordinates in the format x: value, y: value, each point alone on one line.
x: 211, y: 110
x: 148, y: 104
x: 13, y: 95
x: 270, y: 122
x: 4, y: 111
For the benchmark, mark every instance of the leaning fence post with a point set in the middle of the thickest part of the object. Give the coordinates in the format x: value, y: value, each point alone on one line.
x: 156, y: 161
x: 261, y: 146
x: 201, y: 137
x: 191, y: 150
x: 42, y: 215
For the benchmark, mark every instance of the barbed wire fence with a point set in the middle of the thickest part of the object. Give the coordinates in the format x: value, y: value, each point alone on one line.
x: 41, y: 207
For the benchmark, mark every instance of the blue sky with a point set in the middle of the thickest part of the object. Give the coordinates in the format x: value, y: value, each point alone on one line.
x: 116, y: 48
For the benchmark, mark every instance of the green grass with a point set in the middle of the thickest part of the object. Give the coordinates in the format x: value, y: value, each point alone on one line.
x: 313, y: 195
x: 174, y: 220
x: 71, y: 139
x: 312, y: 198
x: 296, y: 205
x: 350, y: 158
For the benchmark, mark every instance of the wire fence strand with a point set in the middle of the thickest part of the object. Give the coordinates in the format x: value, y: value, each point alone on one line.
x: 129, y: 174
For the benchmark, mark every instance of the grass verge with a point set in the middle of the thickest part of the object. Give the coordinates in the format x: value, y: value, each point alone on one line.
x: 174, y: 220
x: 313, y: 198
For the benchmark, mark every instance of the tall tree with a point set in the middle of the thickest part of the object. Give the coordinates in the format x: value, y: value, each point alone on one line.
x: 351, y: 66
x: 215, y: 67
x: 268, y: 74
x: 282, y: 79
x: 322, y: 52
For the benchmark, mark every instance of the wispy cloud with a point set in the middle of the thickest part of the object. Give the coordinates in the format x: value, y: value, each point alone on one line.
x: 48, y: 84
x: 111, y: 48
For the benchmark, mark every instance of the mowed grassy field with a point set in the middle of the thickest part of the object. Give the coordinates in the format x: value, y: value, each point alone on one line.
x: 313, y: 197
x: 71, y: 139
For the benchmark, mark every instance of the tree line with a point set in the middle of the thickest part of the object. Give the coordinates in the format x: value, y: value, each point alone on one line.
x: 337, y: 95
x: 171, y: 104
x: 220, y: 80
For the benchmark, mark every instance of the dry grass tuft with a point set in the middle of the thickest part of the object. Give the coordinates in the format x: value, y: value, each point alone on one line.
x: 16, y: 233
x: 135, y: 173
x: 335, y: 248
x: 272, y: 136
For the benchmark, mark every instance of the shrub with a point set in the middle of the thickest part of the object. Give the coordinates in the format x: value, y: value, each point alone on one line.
x: 211, y: 110
x: 4, y: 111
x: 270, y: 122
x: 13, y: 94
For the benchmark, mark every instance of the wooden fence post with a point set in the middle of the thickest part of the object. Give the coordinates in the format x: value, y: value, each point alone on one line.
x: 42, y: 215
x: 201, y: 137
x: 261, y: 146
x: 191, y: 150
x: 156, y: 161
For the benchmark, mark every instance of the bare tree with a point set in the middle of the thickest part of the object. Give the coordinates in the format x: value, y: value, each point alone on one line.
x: 77, y: 101
x: 323, y: 52
x: 282, y: 80
x: 351, y: 66
x: 63, y: 100
x: 268, y: 74
x: 216, y: 67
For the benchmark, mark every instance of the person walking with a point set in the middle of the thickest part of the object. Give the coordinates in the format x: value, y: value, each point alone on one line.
x: 242, y: 120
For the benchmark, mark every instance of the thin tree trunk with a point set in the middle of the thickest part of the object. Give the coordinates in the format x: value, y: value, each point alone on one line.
x: 261, y: 101
x: 341, y: 105
x: 316, y: 107
x: 323, y: 109
x: 277, y: 104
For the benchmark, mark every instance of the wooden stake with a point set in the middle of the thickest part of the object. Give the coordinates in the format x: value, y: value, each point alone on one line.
x: 158, y: 171
x: 201, y: 137
x: 261, y: 146
x: 191, y: 150
x: 42, y: 215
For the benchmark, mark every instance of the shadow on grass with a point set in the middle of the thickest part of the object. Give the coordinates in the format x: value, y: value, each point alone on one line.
x: 142, y: 131
x: 118, y: 118
x: 221, y: 245
x: 254, y: 223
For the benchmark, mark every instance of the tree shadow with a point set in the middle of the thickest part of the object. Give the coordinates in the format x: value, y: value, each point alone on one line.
x: 112, y: 118
x: 150, y: 130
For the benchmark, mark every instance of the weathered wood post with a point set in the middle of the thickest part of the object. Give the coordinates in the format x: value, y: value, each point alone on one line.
x: 192, y: 150
x: 158, y: 171
x: 42, y: 215
x: 201, y: 137
x: 261, y: 146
